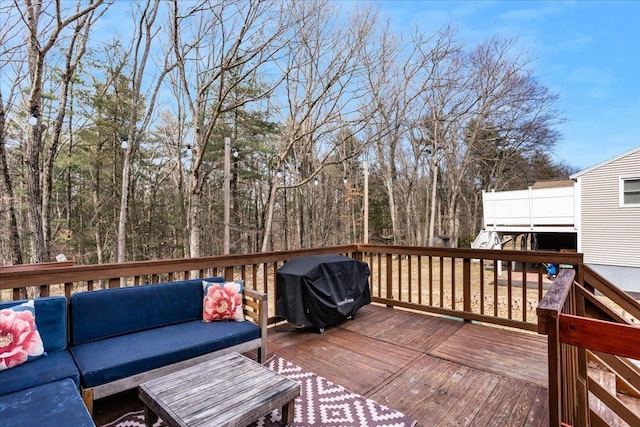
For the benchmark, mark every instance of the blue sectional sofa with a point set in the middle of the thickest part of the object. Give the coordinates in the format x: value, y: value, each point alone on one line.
x: 44, y: 391
x: 122, y: 337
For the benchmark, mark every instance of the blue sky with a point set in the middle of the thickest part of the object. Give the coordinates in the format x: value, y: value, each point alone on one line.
x: 588, y: 52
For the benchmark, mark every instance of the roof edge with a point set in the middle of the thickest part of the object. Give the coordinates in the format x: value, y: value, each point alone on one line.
x: 606, y: 162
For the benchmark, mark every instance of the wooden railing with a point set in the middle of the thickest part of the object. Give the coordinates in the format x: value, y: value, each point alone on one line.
x: 500, y: 287
x: 588, y: 321
x: 591, y: 337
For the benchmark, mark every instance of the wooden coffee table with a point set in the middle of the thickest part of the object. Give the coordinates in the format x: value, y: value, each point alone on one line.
x: 231, y: 390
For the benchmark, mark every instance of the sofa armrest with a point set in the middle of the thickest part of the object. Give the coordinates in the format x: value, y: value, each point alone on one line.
x: 256, y: 307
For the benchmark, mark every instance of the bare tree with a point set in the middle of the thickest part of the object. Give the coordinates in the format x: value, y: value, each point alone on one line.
x: 43, y: 29
x: 219, y: 48
x: 503, y: 101
x: 406, y: 79
x: 11, y: 69
x: 323, y: 71
x: 146, y: 30
x: 73, y: 54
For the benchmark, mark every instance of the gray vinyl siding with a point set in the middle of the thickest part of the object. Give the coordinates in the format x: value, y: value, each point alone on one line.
x: 610, y: 232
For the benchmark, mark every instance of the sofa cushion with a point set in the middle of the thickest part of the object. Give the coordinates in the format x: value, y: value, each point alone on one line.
x: 51, y: 318
x: 222, y: 301
x: 55, y: 366
x: 122, y: 356
x: 53, y: 404
x: 20, y: 340
x: 108, y: 313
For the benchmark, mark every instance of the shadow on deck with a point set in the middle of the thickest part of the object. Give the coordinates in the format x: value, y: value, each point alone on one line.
x: 441, y: 372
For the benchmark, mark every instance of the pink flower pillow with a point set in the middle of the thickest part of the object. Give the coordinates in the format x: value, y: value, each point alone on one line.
x: 222, y: 301
x: 20, y: 340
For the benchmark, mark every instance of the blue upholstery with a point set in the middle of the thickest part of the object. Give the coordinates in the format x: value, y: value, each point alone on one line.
x: 111, y: 312
x: 119, y: 357
x: 53, y: 404
x: 56, y: 365
x: 51, y: 320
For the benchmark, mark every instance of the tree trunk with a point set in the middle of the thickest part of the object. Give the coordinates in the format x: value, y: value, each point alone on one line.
x: 97, y: 215
x: 124, y: 205
x: 194, y: 217
x: 34, y: 140
x: 268, y: 221
x: 38, y: 249
x: 434, y: 195
x: 454, y: 221
x: 15, y: 253
x: 393, y: 212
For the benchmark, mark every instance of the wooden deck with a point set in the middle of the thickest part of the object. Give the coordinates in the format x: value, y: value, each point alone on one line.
x: 441, y: 372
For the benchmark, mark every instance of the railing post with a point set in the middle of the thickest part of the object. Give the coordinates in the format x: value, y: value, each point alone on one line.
x: 68, y: 289
x: 389, y: 258
x: 555, y: 371
x: 228, y: 274
x: 582, y: 386
x: 556, y: 301
x: 466, y: 284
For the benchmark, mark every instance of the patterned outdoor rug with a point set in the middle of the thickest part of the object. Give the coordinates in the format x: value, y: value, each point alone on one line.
x: 321, y: 403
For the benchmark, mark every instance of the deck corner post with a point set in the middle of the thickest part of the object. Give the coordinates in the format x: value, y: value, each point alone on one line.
x: 555, y: 371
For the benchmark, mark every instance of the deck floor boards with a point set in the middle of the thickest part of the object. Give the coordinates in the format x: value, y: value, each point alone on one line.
x: 346, y: 353
x: 413, y: 330
x: 440, y: 371
x: 515, y: 354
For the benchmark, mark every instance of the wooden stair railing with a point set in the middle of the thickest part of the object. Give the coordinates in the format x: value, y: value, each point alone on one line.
x: 581, y: 327
x: 627, y: 373
x: 591, y: 281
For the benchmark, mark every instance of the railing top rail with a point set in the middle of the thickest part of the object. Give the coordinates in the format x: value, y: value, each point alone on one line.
x: 64, y: 274
x: 572, y: 258
x: 36, y: 277
x: 5, y: 269
x: 553, y: 301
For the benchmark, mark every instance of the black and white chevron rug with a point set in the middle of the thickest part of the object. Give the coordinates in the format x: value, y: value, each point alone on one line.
x: 321, y: 404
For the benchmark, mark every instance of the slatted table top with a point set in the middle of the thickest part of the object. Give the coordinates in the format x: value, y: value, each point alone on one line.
x: 231, y: 390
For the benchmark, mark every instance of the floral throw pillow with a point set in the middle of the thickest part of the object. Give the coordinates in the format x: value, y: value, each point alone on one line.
x: 20, y: 340
x: 222, y: 301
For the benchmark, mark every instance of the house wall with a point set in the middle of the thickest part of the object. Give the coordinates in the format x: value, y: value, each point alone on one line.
x: 610, y: 233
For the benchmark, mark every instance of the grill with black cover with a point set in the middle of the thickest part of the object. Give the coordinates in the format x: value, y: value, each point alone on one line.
x: 321, y: 290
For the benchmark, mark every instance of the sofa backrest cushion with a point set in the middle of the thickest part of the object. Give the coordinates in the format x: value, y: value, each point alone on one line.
x: 111, y: 312
x: 51, y: 320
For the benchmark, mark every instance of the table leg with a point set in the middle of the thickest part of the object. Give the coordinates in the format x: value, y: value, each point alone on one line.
x: 288, y: 411
x: 150, y: 417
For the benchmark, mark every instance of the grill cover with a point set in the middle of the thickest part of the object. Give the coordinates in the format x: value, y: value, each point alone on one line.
x: 321, y: 290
